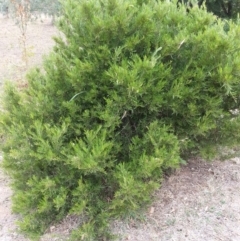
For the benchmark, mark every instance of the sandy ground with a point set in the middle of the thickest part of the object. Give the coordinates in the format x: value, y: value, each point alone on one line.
x: 200, y: 201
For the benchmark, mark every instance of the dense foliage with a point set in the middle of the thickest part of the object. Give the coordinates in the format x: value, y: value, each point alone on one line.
x: 132, y: 88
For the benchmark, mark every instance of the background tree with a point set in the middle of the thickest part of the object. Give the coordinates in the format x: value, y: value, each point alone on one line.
x: 223, y: 8
x: 50, y: 7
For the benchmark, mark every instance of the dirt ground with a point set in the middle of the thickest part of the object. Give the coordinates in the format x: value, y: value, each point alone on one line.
x: 200, y: 201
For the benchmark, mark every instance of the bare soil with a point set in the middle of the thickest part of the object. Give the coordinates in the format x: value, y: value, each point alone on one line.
x: 200, y: 201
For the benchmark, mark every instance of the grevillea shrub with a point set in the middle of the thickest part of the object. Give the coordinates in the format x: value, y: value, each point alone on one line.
x: 132, y: 88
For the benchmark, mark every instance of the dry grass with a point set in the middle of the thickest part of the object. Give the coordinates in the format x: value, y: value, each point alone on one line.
x: 200, y: 201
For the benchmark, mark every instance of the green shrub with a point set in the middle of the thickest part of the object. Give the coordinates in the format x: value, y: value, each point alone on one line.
x: 132, y: 88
